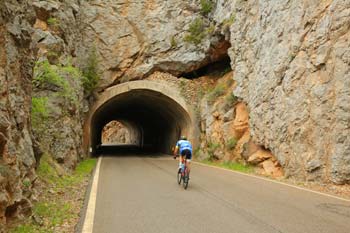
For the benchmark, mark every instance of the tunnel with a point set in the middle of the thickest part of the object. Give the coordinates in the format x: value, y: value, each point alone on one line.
x: 154, y: 114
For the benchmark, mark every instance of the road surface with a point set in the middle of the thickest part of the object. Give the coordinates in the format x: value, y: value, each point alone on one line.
x: 140, y: 194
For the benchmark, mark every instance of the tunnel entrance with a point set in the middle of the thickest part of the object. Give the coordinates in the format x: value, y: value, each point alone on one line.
x: 154, y: 114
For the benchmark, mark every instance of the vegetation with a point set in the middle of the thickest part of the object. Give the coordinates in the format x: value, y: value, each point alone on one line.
x: 219, y: 90
x: 206, y: 6
x: 196, y: 32
x: 211, y: 29
x: 39, y: 111
x: 91, y: 75
x: 50, y: 173
x: 231, y: 100
x: 212, y: 147
x: 231, y: 143
x: 235, y: 166
x: 53, y: 210
x: 56, y: 78
x: 48, y: 74
x: 52, y: 21
x: 228, y: 22
x: 173, y: 42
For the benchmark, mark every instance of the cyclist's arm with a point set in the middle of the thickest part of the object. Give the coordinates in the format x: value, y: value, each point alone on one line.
x: 176, y: 150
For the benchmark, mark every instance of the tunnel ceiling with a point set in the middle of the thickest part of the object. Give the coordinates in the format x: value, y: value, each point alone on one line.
x: 158, y: 118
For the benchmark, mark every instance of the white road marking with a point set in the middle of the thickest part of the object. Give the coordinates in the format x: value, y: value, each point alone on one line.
x: 90, y: 210
x: 273, y: 181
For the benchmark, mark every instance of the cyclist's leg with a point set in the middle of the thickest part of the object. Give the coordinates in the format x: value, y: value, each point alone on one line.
x: 180, y: 161
x: 188, y: 160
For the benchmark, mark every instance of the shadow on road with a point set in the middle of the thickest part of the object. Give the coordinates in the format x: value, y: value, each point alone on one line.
x: 126, y: 150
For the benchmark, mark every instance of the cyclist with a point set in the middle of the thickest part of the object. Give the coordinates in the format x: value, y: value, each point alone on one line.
x: 184, y: 148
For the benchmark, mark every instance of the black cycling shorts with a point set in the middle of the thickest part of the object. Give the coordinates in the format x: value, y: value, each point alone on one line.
x: 186, y: 153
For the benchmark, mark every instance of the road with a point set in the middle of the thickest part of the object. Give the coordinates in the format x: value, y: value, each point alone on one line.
x: 140, y: 194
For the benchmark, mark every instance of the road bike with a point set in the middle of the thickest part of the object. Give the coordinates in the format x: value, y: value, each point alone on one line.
x: 183, y: 175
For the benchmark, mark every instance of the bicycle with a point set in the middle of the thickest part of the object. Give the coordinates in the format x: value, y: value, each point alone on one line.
x: 183, y: 175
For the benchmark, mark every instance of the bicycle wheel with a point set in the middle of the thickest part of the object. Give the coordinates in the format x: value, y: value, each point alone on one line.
x: 186, y: 179
x: 179, y: 177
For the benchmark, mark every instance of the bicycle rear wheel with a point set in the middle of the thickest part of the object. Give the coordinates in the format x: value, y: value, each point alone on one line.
x: 179, y: 177
x: 186, y: 179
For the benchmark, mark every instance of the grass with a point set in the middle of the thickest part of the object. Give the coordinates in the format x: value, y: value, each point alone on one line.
x: 28, y: 228
x: 235, y: 166
x: 53, y: 209
x: 54, y: 213
x: 39, y: 112
x: 206, y: 6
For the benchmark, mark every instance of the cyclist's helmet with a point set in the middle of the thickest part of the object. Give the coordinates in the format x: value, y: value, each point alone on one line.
x: 183, y: 137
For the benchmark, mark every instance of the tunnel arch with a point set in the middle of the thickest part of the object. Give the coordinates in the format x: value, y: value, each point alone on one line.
x: 154, y: 111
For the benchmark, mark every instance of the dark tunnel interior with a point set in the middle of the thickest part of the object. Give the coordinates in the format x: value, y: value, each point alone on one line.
x: 154, y: 120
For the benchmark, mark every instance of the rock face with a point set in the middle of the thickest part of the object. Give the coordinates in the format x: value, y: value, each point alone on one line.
x: 136, y: 38
x: 291, y: 63
x: 17, y: 161
x: 30, y: 31
x: 58, y: 95
x: 225, y: 132
x: 115, y: 133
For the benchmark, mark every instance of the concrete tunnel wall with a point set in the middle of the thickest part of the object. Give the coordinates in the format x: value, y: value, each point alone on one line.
x: 155, y: 114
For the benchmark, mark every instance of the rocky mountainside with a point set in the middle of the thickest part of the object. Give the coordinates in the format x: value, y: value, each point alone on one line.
x: 290, y: 62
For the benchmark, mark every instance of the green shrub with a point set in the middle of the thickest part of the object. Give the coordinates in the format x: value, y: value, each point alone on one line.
x: 231, y: 143
x: 206, y: 6
x: 52, y: 21
x: 90, y: 73
x: 48, y: 74
x: 26, y: 183
x: 196, y: 32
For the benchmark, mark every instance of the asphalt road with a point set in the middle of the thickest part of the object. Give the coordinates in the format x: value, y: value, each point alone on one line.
x: 141, y: 195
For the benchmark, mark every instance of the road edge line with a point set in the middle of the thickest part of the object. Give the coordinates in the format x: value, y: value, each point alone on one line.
x: 273, y: 181
x: 88, y: 223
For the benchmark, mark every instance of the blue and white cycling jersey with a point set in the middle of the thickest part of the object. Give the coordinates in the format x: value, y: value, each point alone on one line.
x: 184, y: 145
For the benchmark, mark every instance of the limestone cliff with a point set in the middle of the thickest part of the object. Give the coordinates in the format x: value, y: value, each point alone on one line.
x: 290, y: 60
x: 291, y: 63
